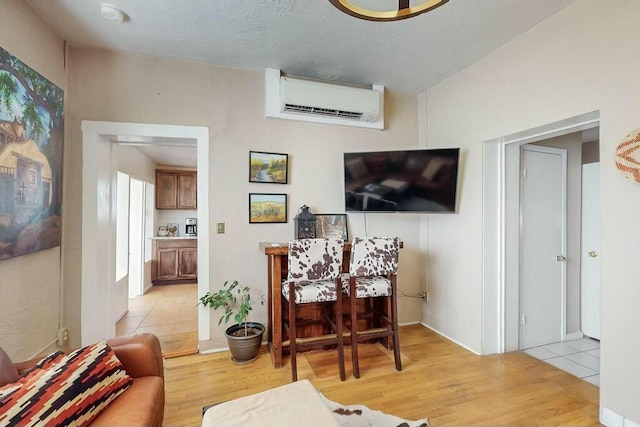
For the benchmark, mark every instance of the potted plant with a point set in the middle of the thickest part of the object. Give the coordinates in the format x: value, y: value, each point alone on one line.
x: 245, y: 337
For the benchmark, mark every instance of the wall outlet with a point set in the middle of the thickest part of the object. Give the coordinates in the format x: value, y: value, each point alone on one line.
x: 63, y: 337
x: 426, y: 296
x: 220, y: 227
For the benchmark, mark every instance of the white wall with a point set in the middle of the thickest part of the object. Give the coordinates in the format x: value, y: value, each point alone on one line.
x: 230, y: 102
x: 30, y: 284
x: 582, y: 59
x: 136, y: 164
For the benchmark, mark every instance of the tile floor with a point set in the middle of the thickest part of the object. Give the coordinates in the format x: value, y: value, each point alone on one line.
x: 580, y: 358
x: 168, y: 311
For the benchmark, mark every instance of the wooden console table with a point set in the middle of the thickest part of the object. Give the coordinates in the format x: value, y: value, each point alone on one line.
x: 277, y: 258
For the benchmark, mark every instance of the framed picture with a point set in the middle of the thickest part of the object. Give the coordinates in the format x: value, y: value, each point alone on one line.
x: 172, y: 229
x: 267, y: 208
x: 332, y: 225
x: 268, y: 167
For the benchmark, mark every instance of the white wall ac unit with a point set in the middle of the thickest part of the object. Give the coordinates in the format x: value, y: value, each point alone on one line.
x: 321, y: 102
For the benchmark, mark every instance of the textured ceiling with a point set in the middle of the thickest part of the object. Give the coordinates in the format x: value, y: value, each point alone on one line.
x: 301, y: 37
x: 304, y: 37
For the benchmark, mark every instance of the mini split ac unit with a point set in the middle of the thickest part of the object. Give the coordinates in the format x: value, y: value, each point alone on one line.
x: 322, y: 102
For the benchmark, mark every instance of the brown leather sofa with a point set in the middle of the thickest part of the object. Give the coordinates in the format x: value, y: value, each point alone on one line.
x: 142, y: 404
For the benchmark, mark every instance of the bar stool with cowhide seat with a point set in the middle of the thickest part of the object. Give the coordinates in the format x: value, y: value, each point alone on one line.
x: 314, y: 276
x: 373, y: 270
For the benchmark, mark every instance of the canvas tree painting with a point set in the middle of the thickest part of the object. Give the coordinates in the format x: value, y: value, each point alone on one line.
x: 31, y: 140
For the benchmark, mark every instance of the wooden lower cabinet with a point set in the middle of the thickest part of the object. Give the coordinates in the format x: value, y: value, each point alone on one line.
x: 174, y: 261
x: 188, y: 263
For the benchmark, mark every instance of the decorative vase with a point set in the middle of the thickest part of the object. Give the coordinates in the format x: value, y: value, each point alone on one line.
x: 244, y: 349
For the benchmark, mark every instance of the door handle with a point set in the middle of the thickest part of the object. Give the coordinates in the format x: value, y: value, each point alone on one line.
x: 592, y: 254
x: 561, y: 258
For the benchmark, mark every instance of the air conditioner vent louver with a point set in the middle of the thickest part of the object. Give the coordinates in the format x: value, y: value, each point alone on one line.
x: 310, y: 100
x: 322, y: 112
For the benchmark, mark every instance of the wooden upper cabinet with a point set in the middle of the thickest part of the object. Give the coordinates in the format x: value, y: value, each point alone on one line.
x: 187, y: 194
x: 176, y: 189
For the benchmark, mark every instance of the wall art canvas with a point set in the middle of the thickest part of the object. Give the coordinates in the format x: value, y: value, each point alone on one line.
x: 267, y: 208
x: 31, y: 140
x: 268, y: 167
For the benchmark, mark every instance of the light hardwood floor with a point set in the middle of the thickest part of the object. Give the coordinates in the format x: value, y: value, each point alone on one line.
x: 440, y: 381
x: 168, y: 311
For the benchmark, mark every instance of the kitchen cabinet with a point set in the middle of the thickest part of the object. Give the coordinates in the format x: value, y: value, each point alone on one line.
x: 174, y: 260
x: 176, y: 189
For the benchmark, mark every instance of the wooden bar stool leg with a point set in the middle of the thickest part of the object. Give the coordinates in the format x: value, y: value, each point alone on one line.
x: 338, y: 319
x: 292, y: 332
x: 354, y: 327
x: 394, y: 319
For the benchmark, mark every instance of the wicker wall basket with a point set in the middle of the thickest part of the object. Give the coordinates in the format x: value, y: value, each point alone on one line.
x: 627, y: 156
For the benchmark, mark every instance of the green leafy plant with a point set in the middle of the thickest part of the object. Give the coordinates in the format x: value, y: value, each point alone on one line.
x: 236, y: 301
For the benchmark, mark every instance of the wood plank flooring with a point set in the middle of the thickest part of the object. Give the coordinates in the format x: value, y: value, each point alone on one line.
x: 440, y: 380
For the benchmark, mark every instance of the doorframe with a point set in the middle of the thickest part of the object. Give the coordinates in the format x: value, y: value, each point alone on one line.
x: 495, y: 337
x: 99, y: 168
x: 563, y: 279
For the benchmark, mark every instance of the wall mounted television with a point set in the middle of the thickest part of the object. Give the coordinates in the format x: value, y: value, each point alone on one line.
x: 421, y: 181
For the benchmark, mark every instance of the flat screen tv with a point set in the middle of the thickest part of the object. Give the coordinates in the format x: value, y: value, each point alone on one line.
x: 423, y: 181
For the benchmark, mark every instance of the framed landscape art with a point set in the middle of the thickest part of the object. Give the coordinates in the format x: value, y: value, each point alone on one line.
x: 267, y: 208
x: 268, y: 167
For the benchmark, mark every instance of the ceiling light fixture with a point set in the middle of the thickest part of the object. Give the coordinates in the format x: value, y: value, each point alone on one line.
x: 404, y: 10
x: 112, y: 13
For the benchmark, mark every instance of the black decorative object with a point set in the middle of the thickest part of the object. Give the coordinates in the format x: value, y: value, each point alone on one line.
x: 304, y: 224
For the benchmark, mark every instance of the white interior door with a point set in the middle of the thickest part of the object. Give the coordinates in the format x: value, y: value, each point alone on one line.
x: 136, y: 237
x: 590, y: 256
x: 543, y: 243
x: 121, y: 294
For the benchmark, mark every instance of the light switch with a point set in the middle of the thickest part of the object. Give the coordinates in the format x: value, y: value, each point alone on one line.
x: 220, y: 227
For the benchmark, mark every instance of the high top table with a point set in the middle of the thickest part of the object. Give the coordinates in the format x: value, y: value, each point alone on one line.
x: 277, y: 257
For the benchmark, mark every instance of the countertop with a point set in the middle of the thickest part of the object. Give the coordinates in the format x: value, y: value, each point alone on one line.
x: 175, y: 238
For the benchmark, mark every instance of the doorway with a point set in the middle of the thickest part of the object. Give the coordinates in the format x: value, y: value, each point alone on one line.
x: 98, y: 220
x: 501, y: 234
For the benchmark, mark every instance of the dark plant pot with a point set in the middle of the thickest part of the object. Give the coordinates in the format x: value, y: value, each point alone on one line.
x: 243, y: 349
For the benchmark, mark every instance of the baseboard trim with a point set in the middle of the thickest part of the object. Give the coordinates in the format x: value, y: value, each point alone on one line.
x: 221, y: 349
x: 49, y: 348
x: 611, y: 418
x: 573, y: 336
x: 408, y: 323
x: 450, y: 339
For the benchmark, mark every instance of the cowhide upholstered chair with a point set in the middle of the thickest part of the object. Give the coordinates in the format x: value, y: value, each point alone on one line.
x: 373, y: 270
x: 314, y: 276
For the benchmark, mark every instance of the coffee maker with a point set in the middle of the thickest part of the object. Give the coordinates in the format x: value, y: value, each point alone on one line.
x: 191, y: 227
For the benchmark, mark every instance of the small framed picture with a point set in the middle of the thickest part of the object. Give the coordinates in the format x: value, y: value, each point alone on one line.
x: 267, y: 208
x: 268, y: 167
x: 172, y: 230
x: 332, y: 225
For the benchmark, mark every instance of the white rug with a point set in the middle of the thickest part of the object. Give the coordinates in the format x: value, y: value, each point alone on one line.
x: 362, y: 416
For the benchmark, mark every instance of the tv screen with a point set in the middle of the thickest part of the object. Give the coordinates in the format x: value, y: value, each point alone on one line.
x: 422, y: 181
